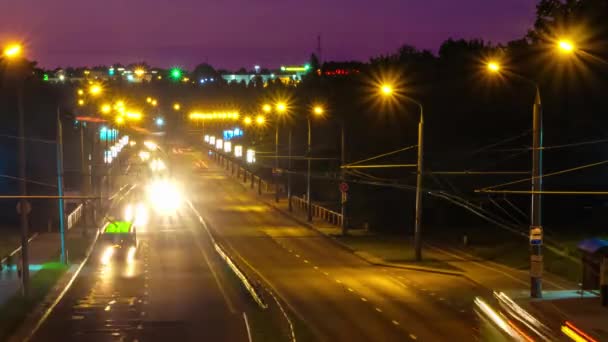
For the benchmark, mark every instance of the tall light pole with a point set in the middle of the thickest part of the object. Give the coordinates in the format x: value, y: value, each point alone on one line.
x: 536, y: 257
x: 388, y: 91
x: 343, y: 176
x: 281, y: 109
x: 316, y: 111
x: 13, y: 53
x: 61, y: 202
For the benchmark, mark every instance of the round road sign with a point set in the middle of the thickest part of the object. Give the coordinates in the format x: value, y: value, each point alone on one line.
x: 344, y: 187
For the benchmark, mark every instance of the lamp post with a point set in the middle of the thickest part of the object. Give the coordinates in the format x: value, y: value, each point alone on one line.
x: 13, y: 54
x: 536, y: 257
x: 387, y: 91
x: 316, y: 111
x: 281, y: 109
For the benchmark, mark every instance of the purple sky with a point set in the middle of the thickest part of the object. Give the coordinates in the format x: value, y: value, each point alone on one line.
x: 234, y: 33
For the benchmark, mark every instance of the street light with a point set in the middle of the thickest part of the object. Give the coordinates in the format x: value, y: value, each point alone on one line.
x: 148, y: 99
x: 267, y: 108
x: 316, y: 111
x: 536, y: 261
x: 12, y: 51
x: 565, y: 46
x: 260, y: 120
x: 95, y: 89
x: 81, y: 102
x: 281, y: 109
x: 247, y: 120
x: 493, y: 67
x: 154, y: 103
x: 106, y: 109
x: 176, y: 106
x: 387, y: 91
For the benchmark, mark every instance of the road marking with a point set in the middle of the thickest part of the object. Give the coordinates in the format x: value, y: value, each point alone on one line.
x: 413, y: 337
x: 107, y: 308
x: 351, y: 290
x: 327, y: 274
x: 378, y: 309
x: 315, y: 267
x: 247, y: 326
x: 441, y: 298
x: 338, y: 281
x: 297, y: 255
x: 395, y: 322
x: 364, y: 299
x: 77, y: 317
x: 305, y: 261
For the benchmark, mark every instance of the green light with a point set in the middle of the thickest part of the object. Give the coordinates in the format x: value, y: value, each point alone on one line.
x: 295, y: 68
x: 45, y: 77
x: 118, y: 227
x: 176, y: 73
x: 306, y: 66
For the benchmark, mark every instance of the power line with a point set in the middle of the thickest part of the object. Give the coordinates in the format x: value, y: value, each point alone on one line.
x: 382, y: 155
x: 546, y: 175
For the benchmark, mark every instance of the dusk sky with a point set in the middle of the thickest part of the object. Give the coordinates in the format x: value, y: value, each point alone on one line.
x: 235, y: 33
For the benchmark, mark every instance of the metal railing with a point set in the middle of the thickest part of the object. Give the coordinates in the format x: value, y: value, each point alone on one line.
x: 318, y: 211
x: 75, y: 216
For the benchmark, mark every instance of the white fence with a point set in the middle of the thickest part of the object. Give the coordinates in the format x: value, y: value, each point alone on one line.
x: 75, y: 216
x: 325, y: 214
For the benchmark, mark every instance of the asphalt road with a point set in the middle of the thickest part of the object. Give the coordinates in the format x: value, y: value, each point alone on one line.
x: 174, y: 291
x: 336, y: 294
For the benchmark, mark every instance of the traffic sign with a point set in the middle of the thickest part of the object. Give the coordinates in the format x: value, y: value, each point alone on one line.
x: 344, y: 187
x: 28, y: 208
x: 536, y: 235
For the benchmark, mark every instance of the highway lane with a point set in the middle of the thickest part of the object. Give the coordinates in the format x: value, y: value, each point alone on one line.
x: 337, y: 294
x: 174, y: 290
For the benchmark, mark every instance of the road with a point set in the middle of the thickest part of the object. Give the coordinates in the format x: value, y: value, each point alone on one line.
x: 175, y: 290
x: 336, y: 294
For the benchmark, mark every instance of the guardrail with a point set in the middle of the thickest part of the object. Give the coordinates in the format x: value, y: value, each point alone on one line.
x: 75, y: 216
x: 323, y: 213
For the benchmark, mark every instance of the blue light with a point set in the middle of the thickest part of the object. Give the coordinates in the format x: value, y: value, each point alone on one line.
x: 111, y: 71
x: 160, y: 121
x: 130, y: 78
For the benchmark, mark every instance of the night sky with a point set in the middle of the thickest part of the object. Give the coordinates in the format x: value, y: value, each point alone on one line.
x: 235, y: 33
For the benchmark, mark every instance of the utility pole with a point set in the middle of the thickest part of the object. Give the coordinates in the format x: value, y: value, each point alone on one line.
x: 85, y: 179
x: 308, y: 170
x: 276, y: 163
x: 343, y: 177
x: 536, y: 257
x: 63, y: 259
x: 419, y: 176
x: 289, y: 171
x: 25, y: 264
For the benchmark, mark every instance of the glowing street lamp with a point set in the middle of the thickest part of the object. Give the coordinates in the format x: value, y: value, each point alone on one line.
x: 565, y: 46
x: 267, y: 108
x: 119, y: 120
x: 176, y: 106
x: 318, y: 110
x: 493, y: 66
x: 386, y: 90
x: 247, y: 120
x: 12, y: 51
x: 95, y: 89
x: 106, y: 109
x: 154, y: 103
x: 80, y: 92
x: 260, y: 120
x: 149, y: 99
x: 139, y: 72
x: 281, y: 107
x: 81, y: 102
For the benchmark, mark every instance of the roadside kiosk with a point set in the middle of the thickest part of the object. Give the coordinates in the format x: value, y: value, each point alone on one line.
x: 595, y: 266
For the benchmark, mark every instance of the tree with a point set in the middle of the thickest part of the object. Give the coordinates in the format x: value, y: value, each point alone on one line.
x: 204, y: 70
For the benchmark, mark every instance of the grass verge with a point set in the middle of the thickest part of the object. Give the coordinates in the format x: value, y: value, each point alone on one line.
x: 14, y: 311
x: 391, y: 249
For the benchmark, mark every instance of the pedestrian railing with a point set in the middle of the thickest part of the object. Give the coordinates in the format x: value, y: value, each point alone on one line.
x: 75, y: 216
x: 318, y: 211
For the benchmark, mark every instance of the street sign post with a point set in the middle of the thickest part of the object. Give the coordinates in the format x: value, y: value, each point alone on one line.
x: 28, y: 207
x: 536, y: 236
x: 344, y: 196
x: 344, y: 187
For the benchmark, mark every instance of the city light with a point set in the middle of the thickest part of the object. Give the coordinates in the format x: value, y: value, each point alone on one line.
x: 134, y: 116
x: 214, y: 116
x: 139, y: 72
x: 160, y: 122
x: 148, y: 99
x: 12, y: 51
x: 120, y: 120
x: 176, y: 106
x: 81, y: 102
x: 267, y: 108
x: 238, y: 151
x: 80, y: 92
x: 176, y: 74
x: 154, y: 103
x: 219, y: 144
x: 493, y: 66
x: 206, y: 138
x: 247, y: 120
x: 150, y: 145
x: 165, y: 196
x: 250, y: 158
x: 212, y: 140
x: 227, y: 147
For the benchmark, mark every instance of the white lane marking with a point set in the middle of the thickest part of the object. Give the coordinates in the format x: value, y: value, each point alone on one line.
x: 327, y: 274
x: 338, y: 281
x: 247, y: 326
x: 378, y: 309
x: 297, y: 255
x: 351, y: 290
x: 364, y: 299
x: 315, y: 267
x: 413, y: 337
x: 305, y: 261
x: 395, y: 322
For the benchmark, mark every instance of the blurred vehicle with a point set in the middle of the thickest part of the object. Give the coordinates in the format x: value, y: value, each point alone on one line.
x: 118, y: 237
